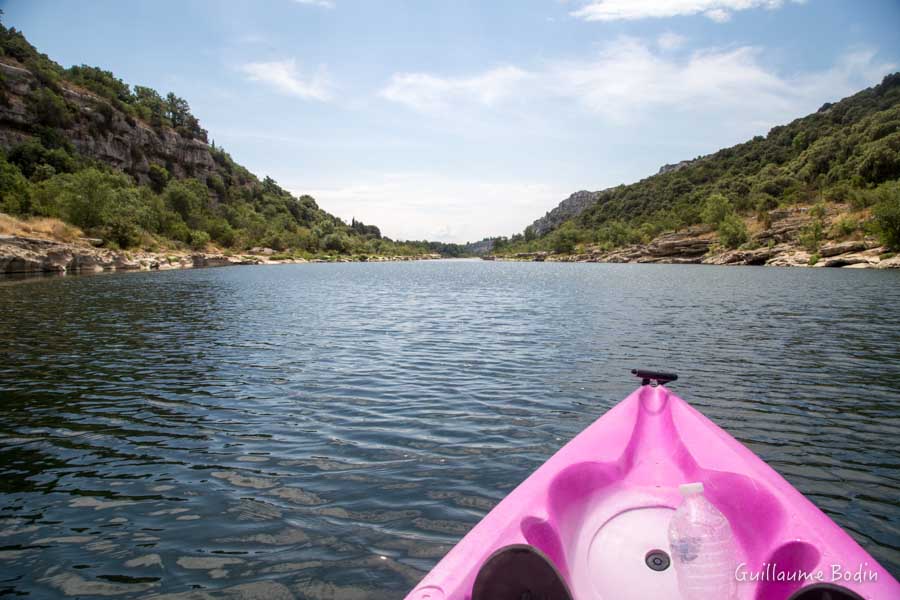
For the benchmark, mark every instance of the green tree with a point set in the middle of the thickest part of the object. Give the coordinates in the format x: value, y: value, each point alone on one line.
x: 14, y: 189
x: 882, y: 161
x: 563, y: 241
x: 151, y: 105
x: 177, y: 110
x: 49, y: 108
x: 336, y: 242
x: 29, y: 155
x: 159, y: 178
x: 85, y: 199
x: 188, y: 198
x: 199, y: 240
x: 732, y: 231
x: 887, y: 214
x: 715, y: 209
x: 215, y: 183
x: 121, y: 230
x: 101, y: 82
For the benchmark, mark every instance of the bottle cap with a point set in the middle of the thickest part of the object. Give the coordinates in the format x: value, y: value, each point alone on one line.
x: 690, y: 489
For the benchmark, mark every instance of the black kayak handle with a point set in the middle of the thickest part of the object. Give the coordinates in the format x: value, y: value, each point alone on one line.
x: 657, y: 377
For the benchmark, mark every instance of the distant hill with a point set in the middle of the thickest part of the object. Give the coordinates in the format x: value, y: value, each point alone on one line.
x: 135, y: 168
x: 837, y: 155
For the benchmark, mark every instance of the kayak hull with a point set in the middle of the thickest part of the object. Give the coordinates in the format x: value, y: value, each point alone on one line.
x: 600, y: 504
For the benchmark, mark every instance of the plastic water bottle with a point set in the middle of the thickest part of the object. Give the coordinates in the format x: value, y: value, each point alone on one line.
x: 703, y: 548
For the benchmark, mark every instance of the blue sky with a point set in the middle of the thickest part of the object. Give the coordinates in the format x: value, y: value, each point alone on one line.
x: 457, y: 119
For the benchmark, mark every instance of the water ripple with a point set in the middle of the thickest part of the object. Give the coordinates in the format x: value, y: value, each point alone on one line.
x: 332, y: 430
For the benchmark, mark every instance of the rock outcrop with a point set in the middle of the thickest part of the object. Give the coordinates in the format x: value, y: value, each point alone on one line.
x: 674, y: 167
x: 30, y: 255
x: 35, y: 255
x: 108, y: 136
x: 572, y: 206
x: 777, y: 245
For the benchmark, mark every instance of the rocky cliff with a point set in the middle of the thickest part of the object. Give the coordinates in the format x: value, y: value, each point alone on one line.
x: 674, y: 167
x: 582, y: 200
x: 572, y: 206
x: 101, y: 133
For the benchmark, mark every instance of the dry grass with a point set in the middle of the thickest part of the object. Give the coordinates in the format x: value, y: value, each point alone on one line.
x: 39, y: 227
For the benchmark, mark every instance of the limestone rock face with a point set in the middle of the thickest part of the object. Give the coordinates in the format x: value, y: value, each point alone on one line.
x: 674, y: 167
x: 572, y: 206
x: 837, y: 248
x: 22, y: 255
x: 759, y: 256
x: 120, y: 141
x: 684, y: 245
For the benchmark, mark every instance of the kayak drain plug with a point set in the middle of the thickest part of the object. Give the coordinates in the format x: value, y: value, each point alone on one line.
x: 657, y: 560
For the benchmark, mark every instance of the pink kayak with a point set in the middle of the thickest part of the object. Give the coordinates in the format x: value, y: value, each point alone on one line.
x: 592, y: 522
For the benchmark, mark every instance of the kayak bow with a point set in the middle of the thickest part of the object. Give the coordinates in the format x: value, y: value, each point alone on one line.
x: 598, y: 511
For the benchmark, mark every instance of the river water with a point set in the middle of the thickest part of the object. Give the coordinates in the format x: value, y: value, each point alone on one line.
x: 331, y: 430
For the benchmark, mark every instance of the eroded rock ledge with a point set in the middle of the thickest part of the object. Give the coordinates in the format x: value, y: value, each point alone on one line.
x: 778, y: 245
x: 23, y: 255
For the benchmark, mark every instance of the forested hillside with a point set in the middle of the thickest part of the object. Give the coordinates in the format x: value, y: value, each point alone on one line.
x: 846, y: 154
x: 136, y: 169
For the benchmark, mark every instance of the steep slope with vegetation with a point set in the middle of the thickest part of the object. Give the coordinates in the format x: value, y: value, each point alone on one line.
x: 136, y: 169
x: 842, y: 162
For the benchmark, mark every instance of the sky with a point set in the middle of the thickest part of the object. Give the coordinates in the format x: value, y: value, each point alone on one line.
x: 453, y: 120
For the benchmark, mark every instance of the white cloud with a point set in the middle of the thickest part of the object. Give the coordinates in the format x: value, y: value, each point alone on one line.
x: 283, y: 76
x: 439, y: 207
x: 628, y: 10
x: 670, y: 41
x: 627, y: 80
x: 719, y: 15
x: 431, y: 93
x: 319, y: 3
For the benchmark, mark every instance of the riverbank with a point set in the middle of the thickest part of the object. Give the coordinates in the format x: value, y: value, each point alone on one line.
x: 25, y: 254
x: 784, y: 242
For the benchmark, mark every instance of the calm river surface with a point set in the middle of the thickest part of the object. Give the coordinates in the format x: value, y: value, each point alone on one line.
x: 335, y: 428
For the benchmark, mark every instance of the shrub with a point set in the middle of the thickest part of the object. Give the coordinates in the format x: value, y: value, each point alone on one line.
x: 29, y: 155
x: 215, y: 183
x: 13, y: 189
x: 221, y: 232
x: 860, y: 199
x: 335, y: 242
x: 159, y: 178
x: 887, y: 214
x: 563, y: 241
x: 176, y: 229
x: 86, y: 199
x: 715, y: 209
x: 123, y: 232
x: 188, y: 199
x: 732, y: 231
x: 763, y: 201
x: 42, y: 172
x: 819, y: 210
x: 49, y: 108
x: 199, y: 239
x: 811, y: 235
x: 844, y: 227
x: 882, y: 161
x: 813, y: 259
